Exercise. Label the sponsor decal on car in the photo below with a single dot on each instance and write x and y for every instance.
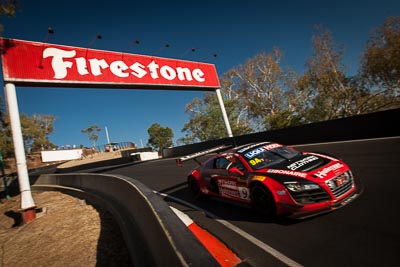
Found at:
(287, 172)
(254, 153)
(255, 161)
(324, 172)
(295, 165)
(230, 189)
(227, 184)
(229, 192)
(258, 178)
(271, 146)
(244, 192)
(281, 192)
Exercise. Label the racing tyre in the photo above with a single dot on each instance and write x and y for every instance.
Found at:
(194, 187)
(262, 201)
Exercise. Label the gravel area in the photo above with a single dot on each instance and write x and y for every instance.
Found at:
(67, 231)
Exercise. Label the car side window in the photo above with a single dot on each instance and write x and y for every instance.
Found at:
(239, 165)
(221, 163)
(210, 164)
(235, 162)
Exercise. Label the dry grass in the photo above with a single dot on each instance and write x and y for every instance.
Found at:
(67, 232)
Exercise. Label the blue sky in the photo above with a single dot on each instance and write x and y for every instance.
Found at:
(234, 30)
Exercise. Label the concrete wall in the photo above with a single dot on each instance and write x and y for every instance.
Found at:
(373, 125)
(61, 155)
(154, 235)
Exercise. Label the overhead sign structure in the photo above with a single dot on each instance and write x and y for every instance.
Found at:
(41, 64)
(33, 64)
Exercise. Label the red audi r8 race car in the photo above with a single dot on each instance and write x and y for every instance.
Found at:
(274, 179)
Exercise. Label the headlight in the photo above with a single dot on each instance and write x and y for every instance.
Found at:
(298, 187)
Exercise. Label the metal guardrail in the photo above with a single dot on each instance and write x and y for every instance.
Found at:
(154, 235)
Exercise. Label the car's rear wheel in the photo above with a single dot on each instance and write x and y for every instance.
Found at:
(194, 187)
(262, 200)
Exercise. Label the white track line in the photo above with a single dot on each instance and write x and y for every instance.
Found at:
(240, 232)
(349, 141)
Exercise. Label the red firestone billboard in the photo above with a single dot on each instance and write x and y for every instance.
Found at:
(48, 65)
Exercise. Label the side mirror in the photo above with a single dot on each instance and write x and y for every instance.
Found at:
(236, 170)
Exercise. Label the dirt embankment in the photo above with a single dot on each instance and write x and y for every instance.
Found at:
(32, 161)
(66, 232)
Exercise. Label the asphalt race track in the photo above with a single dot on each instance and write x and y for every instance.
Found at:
(364, 233)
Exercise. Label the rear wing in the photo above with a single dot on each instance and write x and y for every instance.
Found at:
(194, 156)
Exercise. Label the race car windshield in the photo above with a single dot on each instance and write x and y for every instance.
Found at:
(285, 152)
(264, 157)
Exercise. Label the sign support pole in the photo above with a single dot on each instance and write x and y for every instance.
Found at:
(222, 106)
(27, 203)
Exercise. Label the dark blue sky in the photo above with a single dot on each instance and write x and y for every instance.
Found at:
(234, 30)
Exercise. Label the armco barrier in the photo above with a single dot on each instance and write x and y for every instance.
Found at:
(372, 125)
(154, 235)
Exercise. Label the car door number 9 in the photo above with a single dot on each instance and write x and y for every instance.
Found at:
(244, 192)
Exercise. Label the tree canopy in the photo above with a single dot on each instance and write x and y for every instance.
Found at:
(8, 8)
(36, 130)
(381, 58)
(160, 137)
(92, 132)
(262, 95)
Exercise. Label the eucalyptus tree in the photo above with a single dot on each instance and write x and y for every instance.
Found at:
(267, 92)
(36, 130)
(92, 133)
(8, 9)
(258, 95)
(380, 64)
(160, 137)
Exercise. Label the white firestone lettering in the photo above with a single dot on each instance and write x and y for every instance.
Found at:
(153, 69)
(168, 73)
(138, 70)
(184, 74)
(118, 68)
(57, 63)
(96, 66)
(81, 66)
(198, 75)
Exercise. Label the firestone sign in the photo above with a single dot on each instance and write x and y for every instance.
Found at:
(42, 64)
(28, 63)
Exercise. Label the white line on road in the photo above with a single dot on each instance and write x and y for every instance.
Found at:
(349, 141)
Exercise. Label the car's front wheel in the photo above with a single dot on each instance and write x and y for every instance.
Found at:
(262, 200)
(194, 187)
